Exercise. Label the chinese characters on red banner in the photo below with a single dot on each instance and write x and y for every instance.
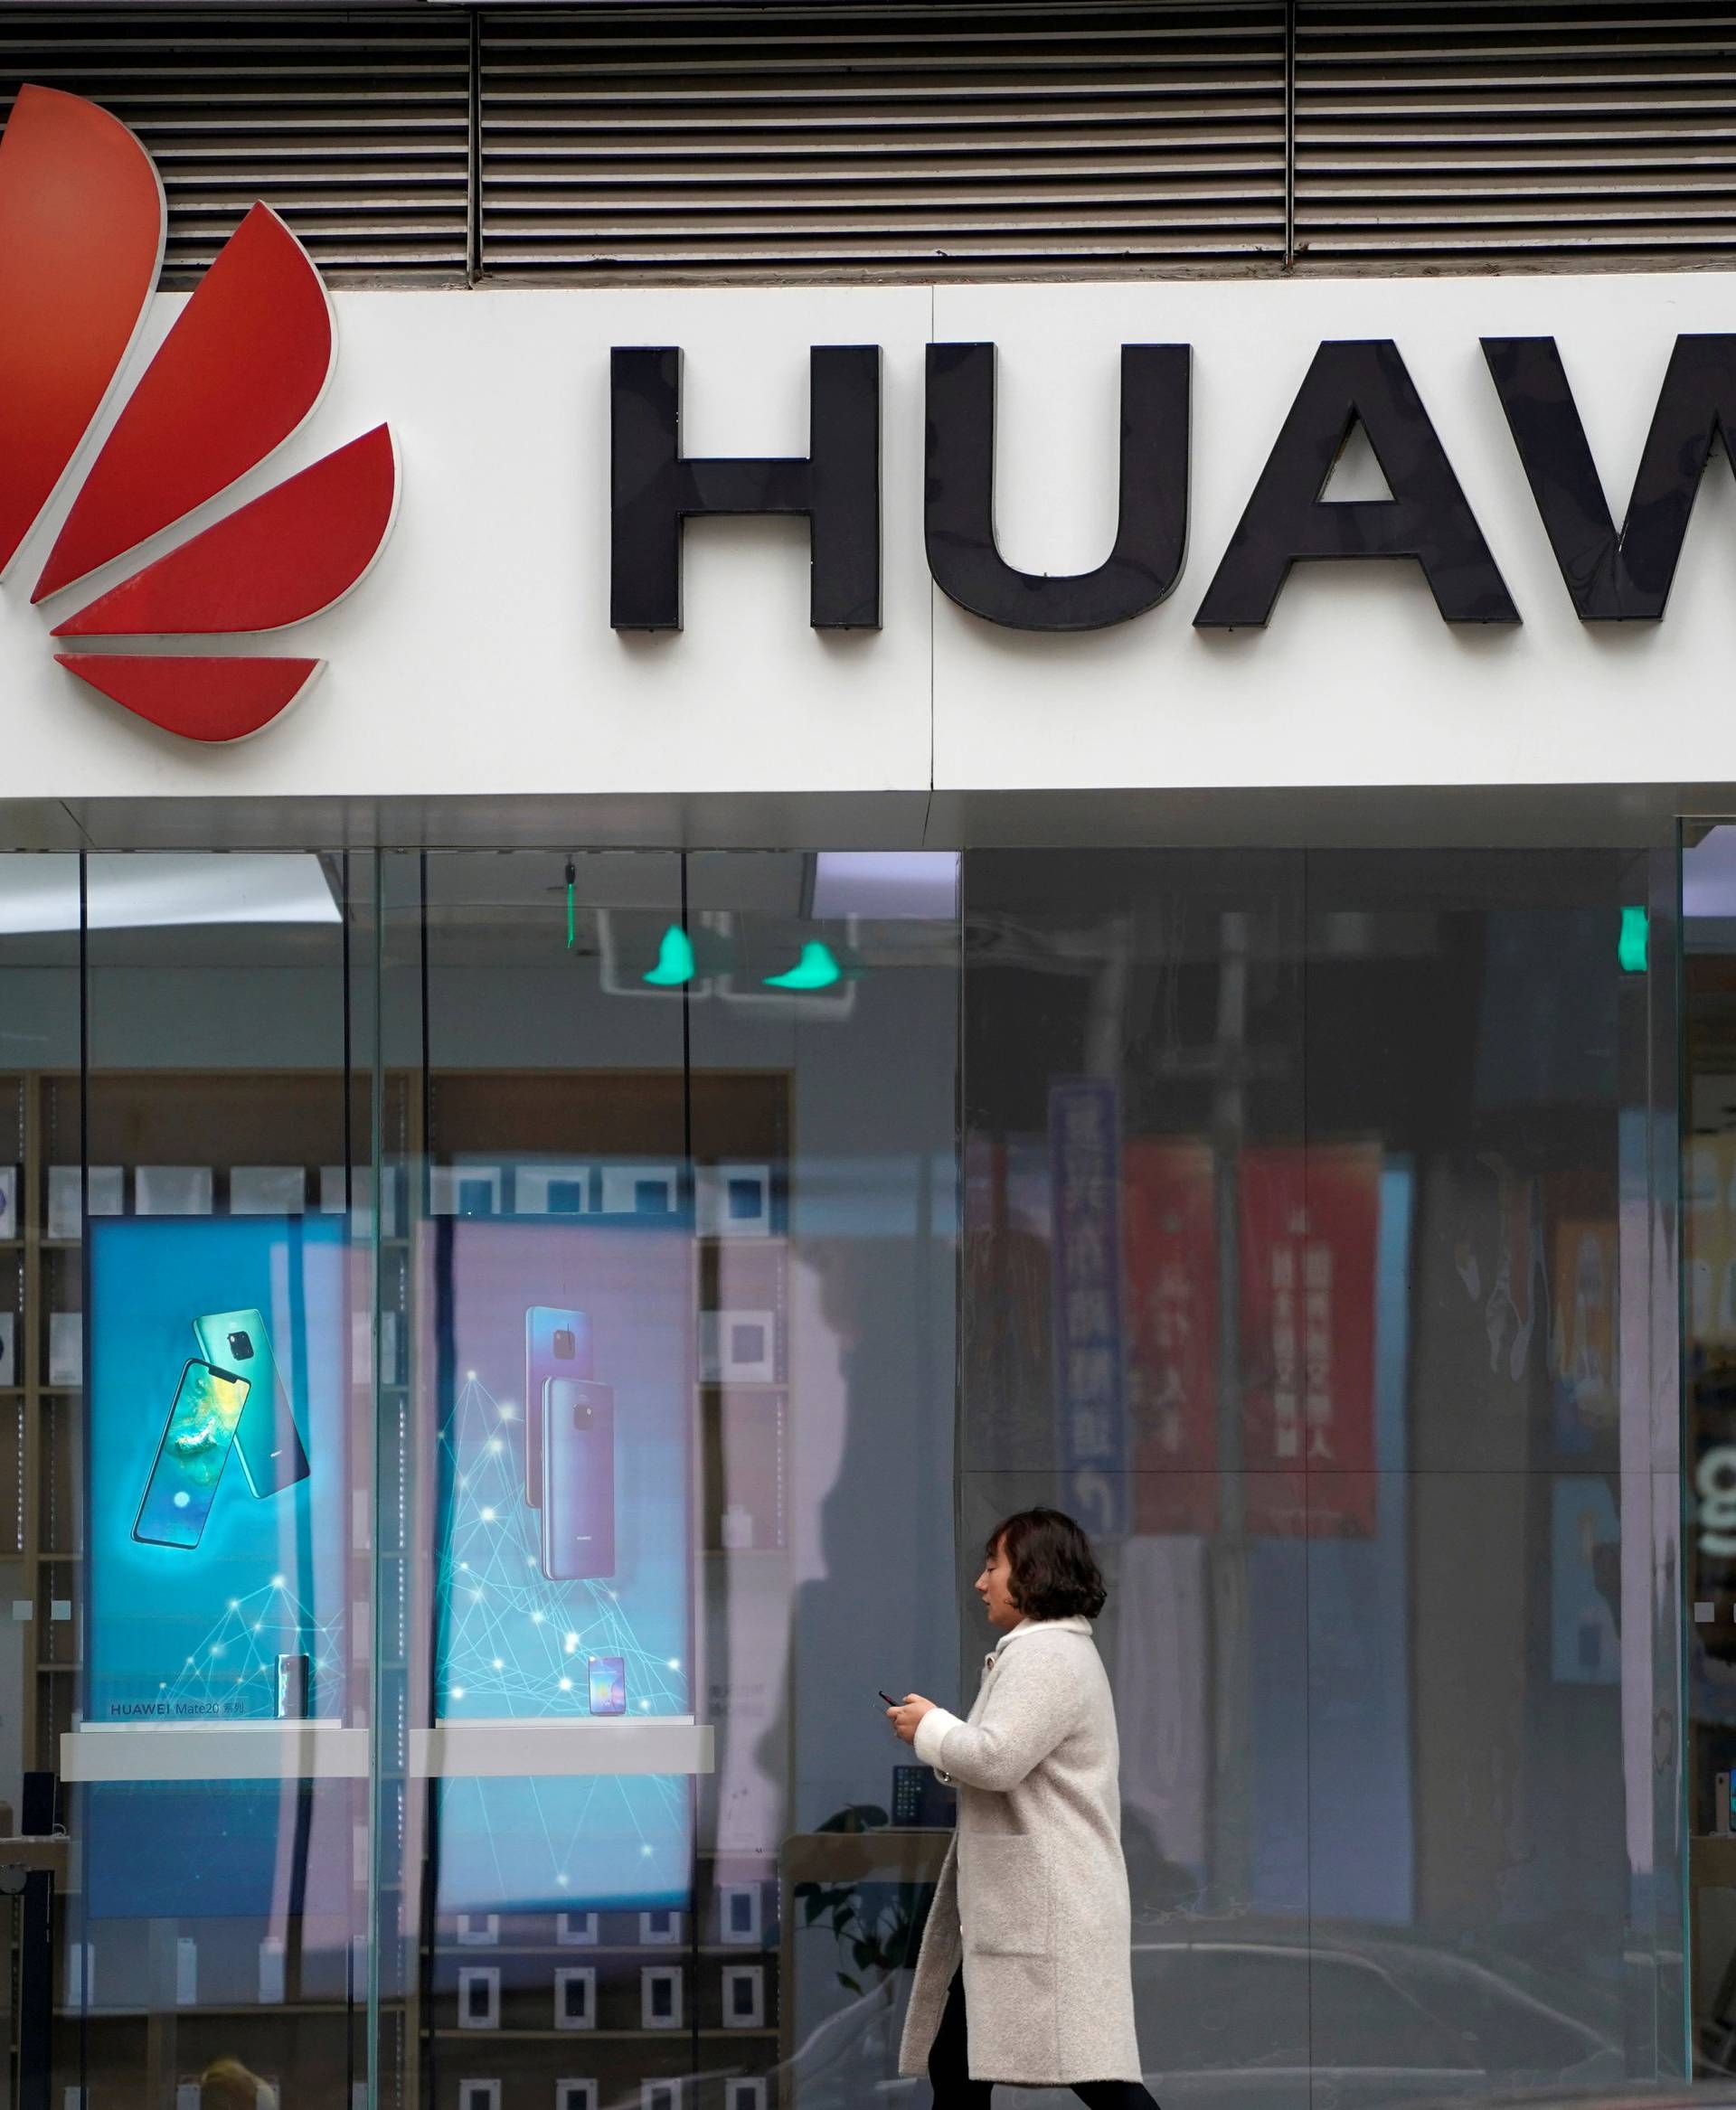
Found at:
(1136, 1323)
(1172, 1294)
(1309, 1226)
(1085, 1165)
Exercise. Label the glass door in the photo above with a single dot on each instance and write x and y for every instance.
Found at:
(194, 1418)
(666, 1392)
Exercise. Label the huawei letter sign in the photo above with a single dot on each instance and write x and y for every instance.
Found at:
(81, 229)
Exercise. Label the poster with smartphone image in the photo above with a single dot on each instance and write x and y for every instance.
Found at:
(218, 1471)
(219, 1476)
(564, 1364)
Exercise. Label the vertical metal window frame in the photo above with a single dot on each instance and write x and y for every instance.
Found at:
(373, 981)
(1651, 1053)
(1675, 1917)
(394, 1906)
(362, 1056)
(1290, 133)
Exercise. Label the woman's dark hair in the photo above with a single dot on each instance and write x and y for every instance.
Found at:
(1054, 1572)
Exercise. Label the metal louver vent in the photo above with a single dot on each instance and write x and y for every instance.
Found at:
(356, 128)
(834, 139)
(901, 141)
(1478, 134)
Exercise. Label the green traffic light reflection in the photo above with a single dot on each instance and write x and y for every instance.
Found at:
(675, 960)
(816, 969)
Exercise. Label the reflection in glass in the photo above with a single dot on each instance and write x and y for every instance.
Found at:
(1317, 1245)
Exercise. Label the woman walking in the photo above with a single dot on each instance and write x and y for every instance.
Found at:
(1025, 1975)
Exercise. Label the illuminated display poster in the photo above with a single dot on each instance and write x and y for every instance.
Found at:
(564, 1362)
(219, 1479)
(218, 1469)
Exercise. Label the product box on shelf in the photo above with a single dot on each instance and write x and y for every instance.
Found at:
(104, 1195)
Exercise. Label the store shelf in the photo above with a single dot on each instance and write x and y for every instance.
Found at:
(481, 2036)
(288, 2009)
(546, 1748)
(578, 1952)
(555, 1747)
(214, 1750)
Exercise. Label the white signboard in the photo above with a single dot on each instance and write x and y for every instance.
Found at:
(477, 656)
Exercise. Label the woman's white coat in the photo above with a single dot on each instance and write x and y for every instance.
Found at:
(1033, 1891)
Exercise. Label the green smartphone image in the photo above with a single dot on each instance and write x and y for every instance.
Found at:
(267, 1439)
(191, 1454)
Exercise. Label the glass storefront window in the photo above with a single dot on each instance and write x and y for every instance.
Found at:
(1318, 1247)
(595, 1304)
(200, 1349)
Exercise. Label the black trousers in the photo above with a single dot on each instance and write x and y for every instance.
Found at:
(949, 2069)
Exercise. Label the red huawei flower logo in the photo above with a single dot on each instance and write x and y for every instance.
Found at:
(81, 226)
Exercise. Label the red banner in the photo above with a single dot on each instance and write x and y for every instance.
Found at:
(1310, 1222)
(1170, 1247)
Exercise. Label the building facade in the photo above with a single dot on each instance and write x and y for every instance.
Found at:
(783, 777)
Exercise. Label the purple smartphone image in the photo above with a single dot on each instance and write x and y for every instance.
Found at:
(557, 1344)
(607, 1679)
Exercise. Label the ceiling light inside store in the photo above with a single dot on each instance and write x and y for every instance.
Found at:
(885, 884)
(148, 891)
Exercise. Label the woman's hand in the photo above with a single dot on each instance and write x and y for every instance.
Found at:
(907, 1714)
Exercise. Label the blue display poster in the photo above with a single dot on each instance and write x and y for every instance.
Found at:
(218, 1488)
(218, 1468)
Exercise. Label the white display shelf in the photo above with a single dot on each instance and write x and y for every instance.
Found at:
(550, 1747)
(214, 1750)
(543, 1748)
